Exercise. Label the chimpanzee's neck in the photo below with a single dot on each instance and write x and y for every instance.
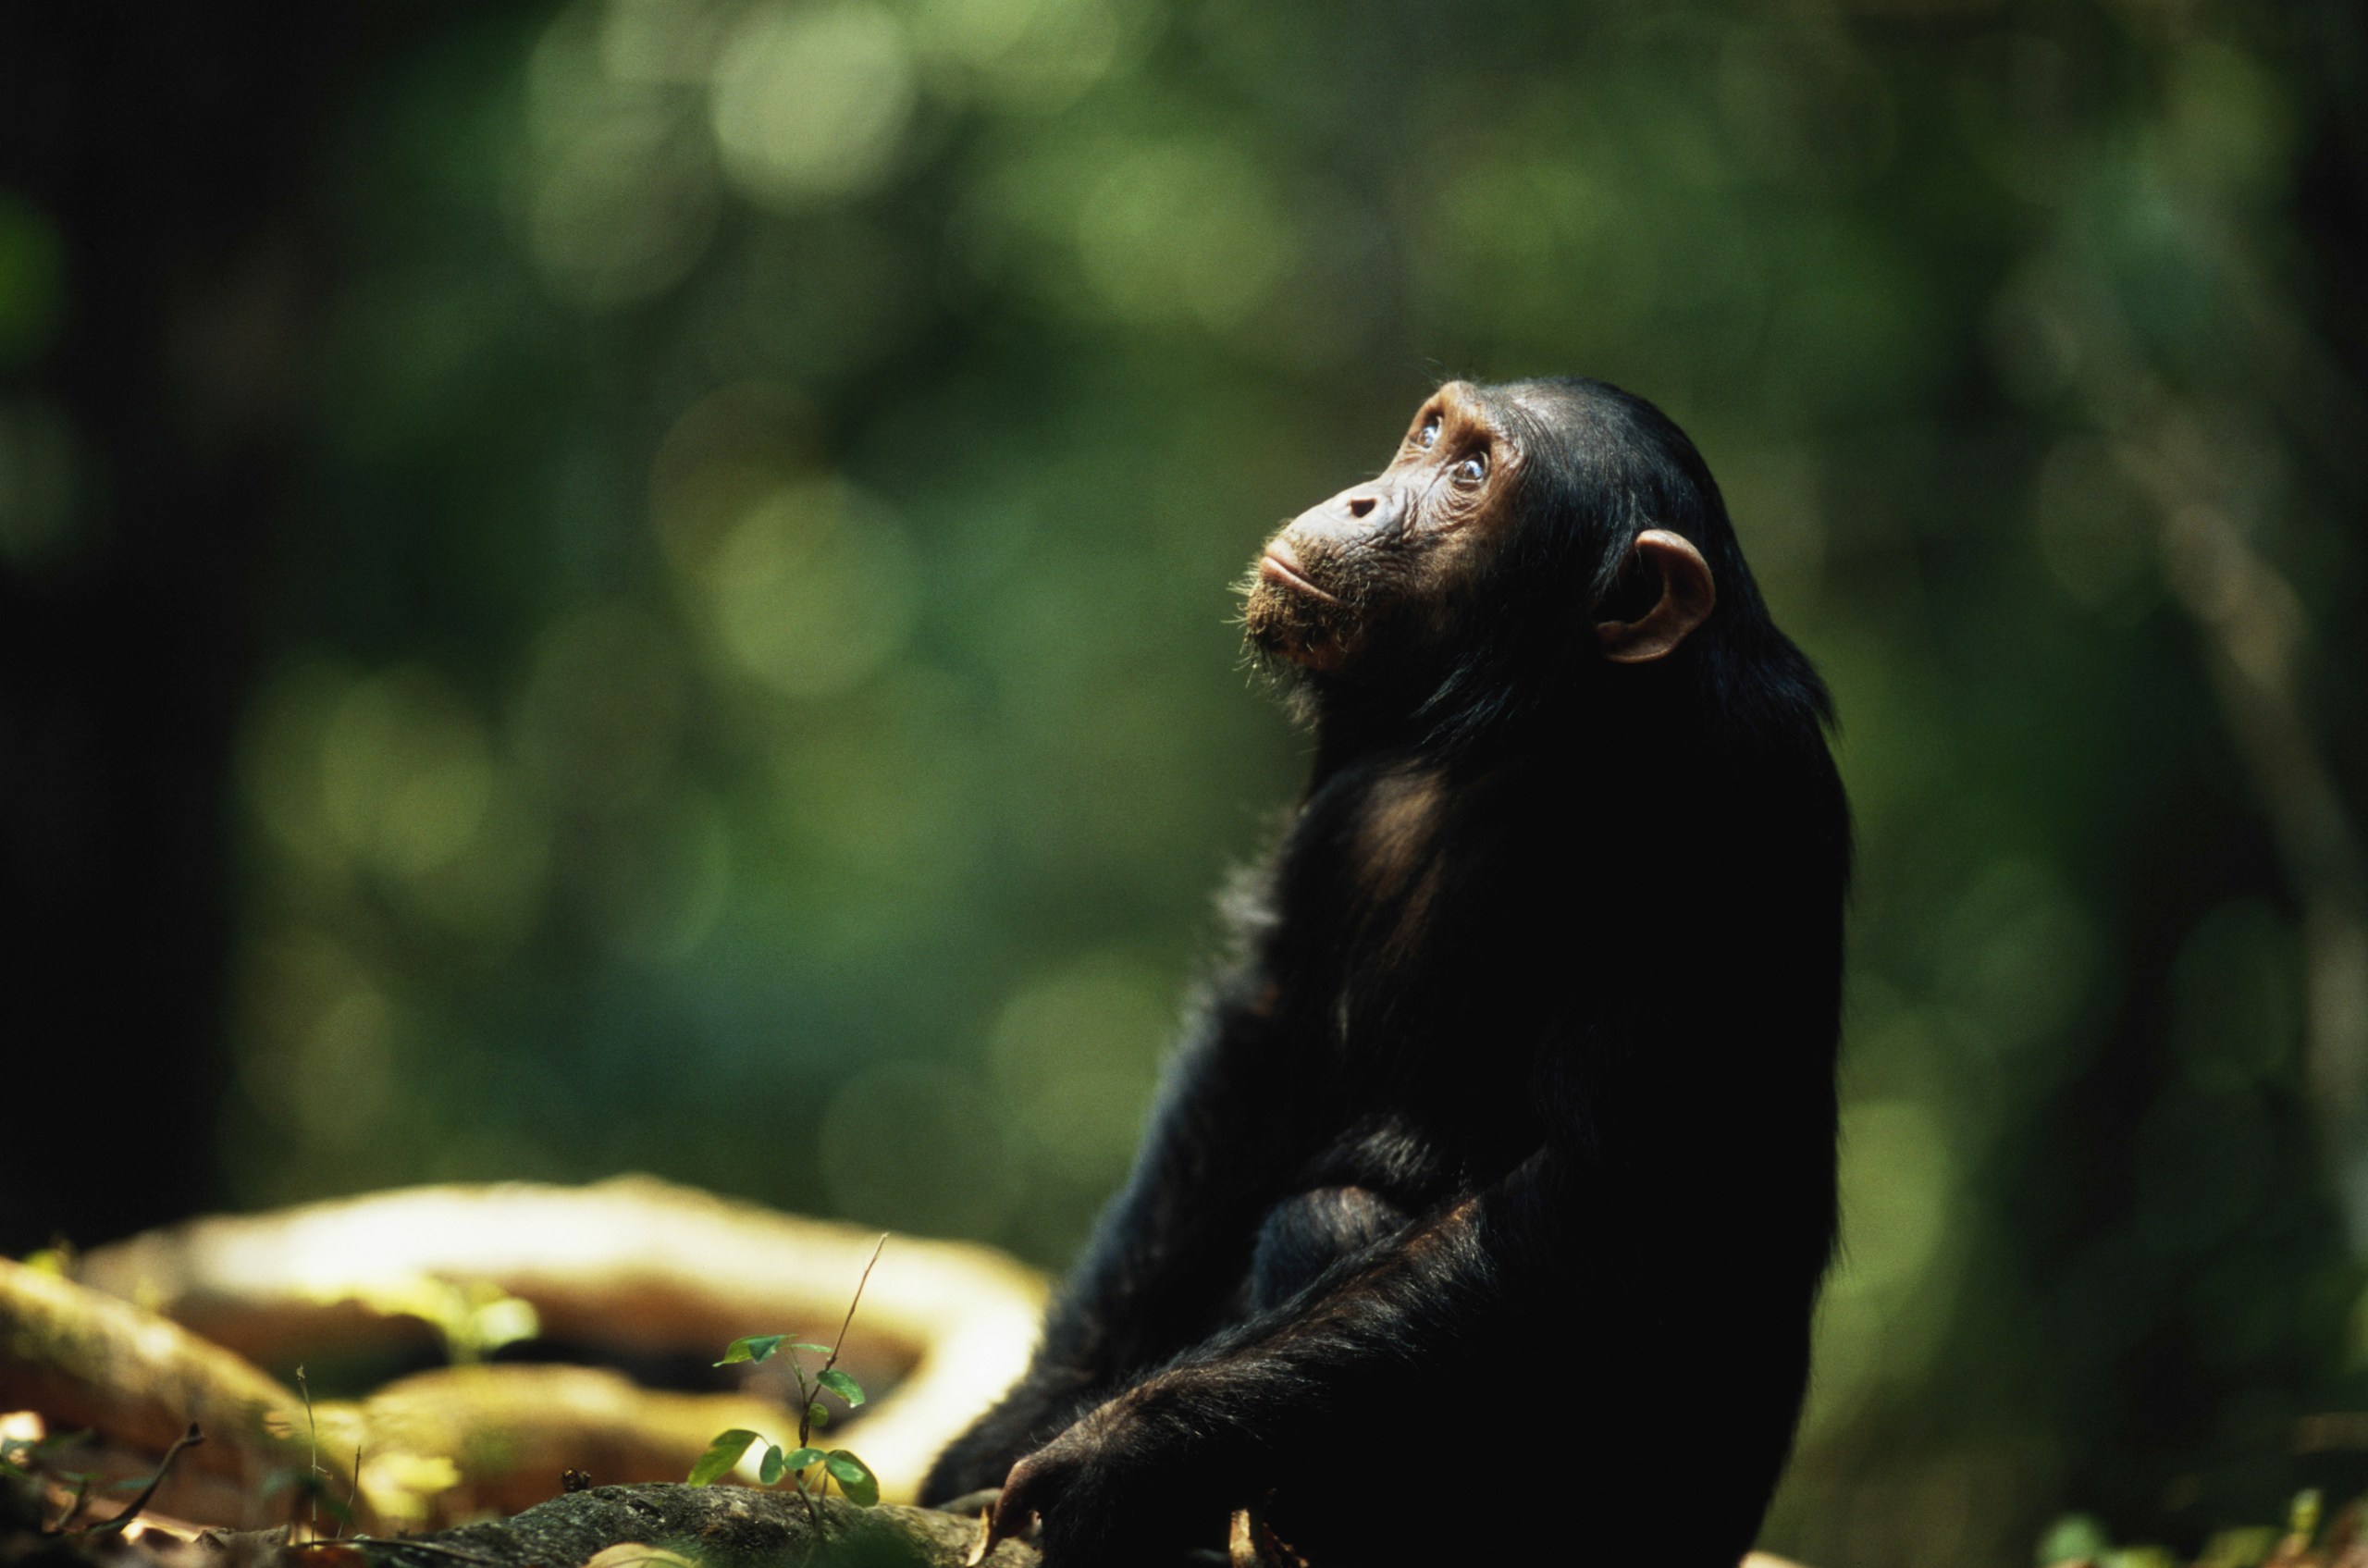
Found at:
(1356, 727)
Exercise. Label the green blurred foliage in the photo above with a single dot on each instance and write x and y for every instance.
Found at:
(754, 699)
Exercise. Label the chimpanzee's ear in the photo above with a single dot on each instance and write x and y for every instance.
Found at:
(1687, 596)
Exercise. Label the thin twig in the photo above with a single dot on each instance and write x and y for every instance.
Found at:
(804, 1426)
(806, 1398)
(190, 1439)
(313, 1459)
(848, 1322)
(73, 1509)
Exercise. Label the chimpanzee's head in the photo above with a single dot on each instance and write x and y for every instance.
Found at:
(1546, 507)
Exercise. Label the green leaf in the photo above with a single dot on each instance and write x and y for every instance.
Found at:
(854, 1476)
(818, 1350)
(721, 1456)
(755, 1347)
(802, 1459)
(768, 1469)
(842, 1385)
(817, 1415)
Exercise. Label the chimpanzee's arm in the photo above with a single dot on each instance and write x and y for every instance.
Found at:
(1173, 1248)
(1325, 1372)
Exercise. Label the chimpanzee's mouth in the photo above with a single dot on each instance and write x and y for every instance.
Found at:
(1281, 565)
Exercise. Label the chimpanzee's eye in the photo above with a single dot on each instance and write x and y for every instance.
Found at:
(1429, 433)
(1472, 470)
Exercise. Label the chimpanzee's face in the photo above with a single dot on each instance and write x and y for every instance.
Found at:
(1391, 556)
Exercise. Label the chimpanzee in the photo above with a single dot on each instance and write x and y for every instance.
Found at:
(1489, 1198)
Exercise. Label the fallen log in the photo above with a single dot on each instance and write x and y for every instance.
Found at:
(87, 1361)
(631, 1263)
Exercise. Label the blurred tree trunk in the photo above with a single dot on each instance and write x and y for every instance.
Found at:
(170, 149)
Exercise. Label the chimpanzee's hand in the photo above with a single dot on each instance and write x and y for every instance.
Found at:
(1110, 1492)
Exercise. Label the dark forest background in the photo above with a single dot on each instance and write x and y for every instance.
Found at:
(648, 585)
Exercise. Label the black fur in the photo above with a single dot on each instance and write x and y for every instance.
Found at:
(1496, 1196)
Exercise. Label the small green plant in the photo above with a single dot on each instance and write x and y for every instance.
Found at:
(34, 1459)
(856, 1480)
(312, 1483)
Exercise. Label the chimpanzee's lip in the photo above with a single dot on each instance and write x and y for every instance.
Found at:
(1281, 565)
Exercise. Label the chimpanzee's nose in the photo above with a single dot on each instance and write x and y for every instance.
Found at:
(1361, 512)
